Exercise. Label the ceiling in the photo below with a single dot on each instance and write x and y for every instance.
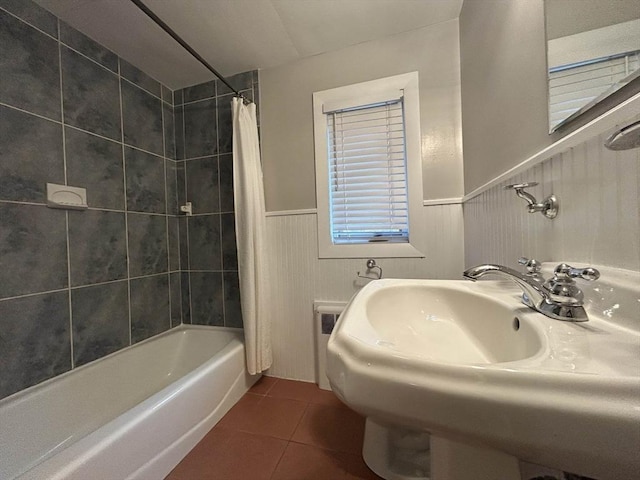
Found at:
(239, 35)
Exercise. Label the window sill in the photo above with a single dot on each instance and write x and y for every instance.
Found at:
(370, 250)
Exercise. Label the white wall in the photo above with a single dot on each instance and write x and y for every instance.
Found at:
(299, 278)
(504, 87)
(598, 189)
(287, 117)
(599, 218)
(504, 107)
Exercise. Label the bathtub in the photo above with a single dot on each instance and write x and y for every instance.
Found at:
(131, 415)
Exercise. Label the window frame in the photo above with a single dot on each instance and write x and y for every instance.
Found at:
(361, 94)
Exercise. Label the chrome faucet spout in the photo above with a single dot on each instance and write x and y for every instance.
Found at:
(557, 298)
(533, 293)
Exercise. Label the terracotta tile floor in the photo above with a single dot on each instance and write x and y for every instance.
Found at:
(281, 430)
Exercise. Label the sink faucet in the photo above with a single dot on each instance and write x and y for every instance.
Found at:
(558, 298)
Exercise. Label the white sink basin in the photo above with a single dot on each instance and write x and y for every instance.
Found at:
(449, 324)
(467, 361)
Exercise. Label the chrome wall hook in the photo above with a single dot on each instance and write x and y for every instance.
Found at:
(548, 207)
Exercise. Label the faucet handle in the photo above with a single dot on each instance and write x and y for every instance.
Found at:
(563, 284)
(532, 265)
(566, 272)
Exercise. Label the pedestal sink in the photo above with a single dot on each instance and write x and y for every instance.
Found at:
(469, 363)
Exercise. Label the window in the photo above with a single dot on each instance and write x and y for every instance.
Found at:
(368, 169)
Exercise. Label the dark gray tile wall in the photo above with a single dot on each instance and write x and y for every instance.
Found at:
(36, 343)
(78, 285)
(26, 137)
(32, 64)
(203, 142)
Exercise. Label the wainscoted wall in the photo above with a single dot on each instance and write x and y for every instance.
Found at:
(299, 278)
(78, 285)
(210, 287)
(599, 218)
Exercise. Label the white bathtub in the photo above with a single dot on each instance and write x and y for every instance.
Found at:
(132, 415)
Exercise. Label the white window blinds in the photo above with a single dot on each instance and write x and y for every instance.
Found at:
(368, 174)
(573, 86)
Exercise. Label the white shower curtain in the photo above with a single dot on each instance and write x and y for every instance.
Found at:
(248, 193)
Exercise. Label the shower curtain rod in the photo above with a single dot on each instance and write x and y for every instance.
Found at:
(186, 46)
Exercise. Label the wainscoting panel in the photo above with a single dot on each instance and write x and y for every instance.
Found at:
(299, 278)
(598, 221)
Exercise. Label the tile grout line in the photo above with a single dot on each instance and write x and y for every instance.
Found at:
(18, 202)
(88, 285)
(99, 209)
(27, 295)
(186, 221)
(177, 200)
(131, 82)
(216, 95)
(289, 440)
(234, 430)
(275, 468)
(13, 107)
(67, 125)
(185, 224)
(172, 134)
(217, 160)
(166, 210)
(201, 157)
(126, 201)
(74, 49)
(31, 25)
(66, 182)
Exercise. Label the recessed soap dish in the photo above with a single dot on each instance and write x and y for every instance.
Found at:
(64, 196)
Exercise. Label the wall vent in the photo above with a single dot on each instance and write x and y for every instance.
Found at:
(325, 316)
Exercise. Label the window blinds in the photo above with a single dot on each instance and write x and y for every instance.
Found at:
(367, 174)
(573, 86)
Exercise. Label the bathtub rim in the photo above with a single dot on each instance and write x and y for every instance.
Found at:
(34, 389)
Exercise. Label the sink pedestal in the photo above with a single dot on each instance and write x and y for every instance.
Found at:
(396, 453)
(456, 461)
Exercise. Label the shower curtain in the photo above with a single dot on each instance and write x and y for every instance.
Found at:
(248, 194)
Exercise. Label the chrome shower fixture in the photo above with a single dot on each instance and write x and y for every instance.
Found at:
(548, 207)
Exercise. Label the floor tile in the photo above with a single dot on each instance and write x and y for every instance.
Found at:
(197, 463)
(332, 428)
(302, 391)
(231, 455)
(281, 430)
(275, 417)
(262, 386)
(356, 469)
(326, 397)
(302, 462)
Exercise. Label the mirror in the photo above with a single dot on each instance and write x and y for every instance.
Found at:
(593, 50)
